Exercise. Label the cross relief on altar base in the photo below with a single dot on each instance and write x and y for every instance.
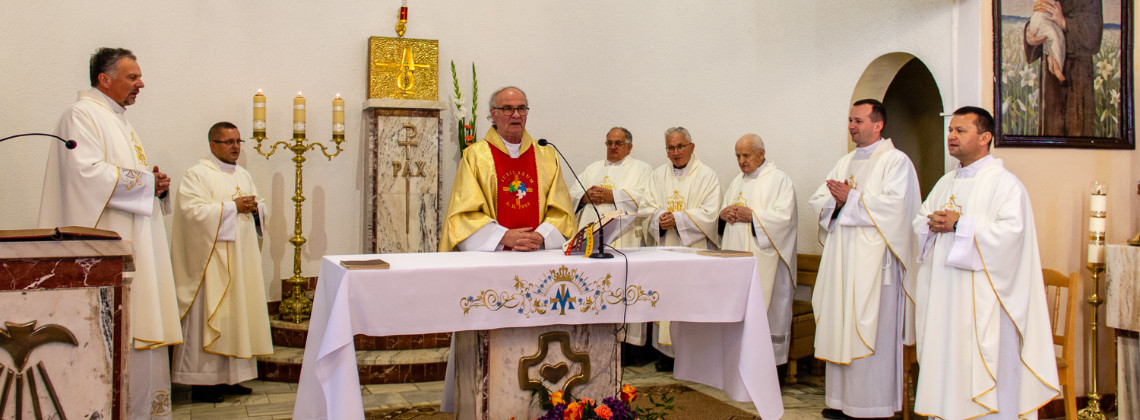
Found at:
(401, 197)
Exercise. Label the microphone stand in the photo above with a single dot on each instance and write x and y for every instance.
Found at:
(70, 144)
(601, 236)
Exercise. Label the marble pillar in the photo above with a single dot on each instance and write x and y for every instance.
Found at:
(63, 318)
(497, 371)
(401, 197)
(1122, 312)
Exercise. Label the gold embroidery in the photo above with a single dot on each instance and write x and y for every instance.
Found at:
(952, 205)
(238, 193)
(560, 290)
(139, 154)
(676, 202)
(132, 179)
(607, 183)
(160, 404)
(851, 181)
(740, 200)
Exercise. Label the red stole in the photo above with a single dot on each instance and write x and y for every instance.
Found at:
(517, 191)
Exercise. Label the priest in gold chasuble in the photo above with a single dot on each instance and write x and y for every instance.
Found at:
(508, 193)
(759, 216)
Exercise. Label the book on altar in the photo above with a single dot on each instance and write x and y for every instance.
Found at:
(372, 264)
(614, 224)
(62, 233)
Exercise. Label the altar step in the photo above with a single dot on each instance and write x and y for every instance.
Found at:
(380, 360)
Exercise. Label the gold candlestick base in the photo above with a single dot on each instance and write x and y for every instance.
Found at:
(1092, 411)
(1135, 241)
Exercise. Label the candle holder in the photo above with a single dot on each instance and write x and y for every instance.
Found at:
(297, 306)
(1098, 205)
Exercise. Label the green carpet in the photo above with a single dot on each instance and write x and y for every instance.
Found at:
(688, 405)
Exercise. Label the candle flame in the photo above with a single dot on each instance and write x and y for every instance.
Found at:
(259, 91)
(338, 95)
(298, 93)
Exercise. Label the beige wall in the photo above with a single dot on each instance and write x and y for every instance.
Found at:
(1058, 183)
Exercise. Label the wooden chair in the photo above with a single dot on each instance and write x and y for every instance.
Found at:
(1061, 292)
(802, 339)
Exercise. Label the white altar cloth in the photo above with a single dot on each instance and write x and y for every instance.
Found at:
(723, 340)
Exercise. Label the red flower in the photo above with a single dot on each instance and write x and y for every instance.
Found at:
(573, 411)
(628, 394)
(604, 412)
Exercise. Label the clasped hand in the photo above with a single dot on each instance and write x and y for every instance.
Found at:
(736, 214)
(839, 190)
(942, 221)
(246, 204)
(161, 182)
(523, 239)
(600, 195)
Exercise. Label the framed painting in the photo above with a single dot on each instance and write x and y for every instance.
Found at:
(1063, 73)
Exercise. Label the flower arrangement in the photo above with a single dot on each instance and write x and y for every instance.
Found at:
(611, 408)
(465, 128)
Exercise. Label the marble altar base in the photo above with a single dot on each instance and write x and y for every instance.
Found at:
(1122, 312)
(488, 368)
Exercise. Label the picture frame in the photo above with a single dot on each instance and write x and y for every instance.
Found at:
(1063, 85)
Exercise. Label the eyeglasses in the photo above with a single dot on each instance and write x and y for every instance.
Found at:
(510, 110)
(228, 143)
(615, 143)
(672, 149)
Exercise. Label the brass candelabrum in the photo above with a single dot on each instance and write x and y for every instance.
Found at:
(1092, 411)
(297, 306)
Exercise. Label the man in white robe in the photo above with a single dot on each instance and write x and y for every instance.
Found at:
(865, 208)
(617, 182)
(982, 326)
(217, 270)
(759, 215)
(107, 183)
(681, 207)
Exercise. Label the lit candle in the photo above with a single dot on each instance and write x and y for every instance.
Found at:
(259, 114)
(299, 115)
(1098, 206)
(338, 116)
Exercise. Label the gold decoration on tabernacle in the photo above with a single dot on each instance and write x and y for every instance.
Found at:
(675, 202)
(556, 372)
(560, 290)
(403, 68)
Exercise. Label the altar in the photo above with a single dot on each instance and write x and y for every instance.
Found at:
(722, 338)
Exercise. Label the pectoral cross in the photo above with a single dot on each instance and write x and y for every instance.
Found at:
(406, 80)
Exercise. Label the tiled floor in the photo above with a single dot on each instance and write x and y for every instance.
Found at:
(274, 400)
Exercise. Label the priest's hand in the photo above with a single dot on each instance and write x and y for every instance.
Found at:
(246, 204)
(839, 191)
(522, 239)
(942, 221)
(600, 195)
(736, 214)
(161, 182)
(667, 221)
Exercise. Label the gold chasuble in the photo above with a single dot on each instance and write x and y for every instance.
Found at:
(478, 190)
(227, 271)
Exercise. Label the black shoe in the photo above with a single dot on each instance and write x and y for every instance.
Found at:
(664, 365)
(206, 394)
(235, 389)
(831, 413)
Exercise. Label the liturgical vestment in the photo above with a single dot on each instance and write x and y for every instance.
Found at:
(771, 237)
(106, 183)
(867, 248)
(692, 194)
(983, 333)
(217, 269)
(474, 201)
(627, 179)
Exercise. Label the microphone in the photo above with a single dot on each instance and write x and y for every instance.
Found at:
(601, 242)
(70, 144)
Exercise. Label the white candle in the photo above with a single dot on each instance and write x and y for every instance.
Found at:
(299, 114)
(1098, 202)
(259, 114)
(338, 115)
(1096, 225)
(1096, 254)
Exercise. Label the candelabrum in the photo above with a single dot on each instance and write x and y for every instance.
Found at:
(1098, 206)
(297, 306)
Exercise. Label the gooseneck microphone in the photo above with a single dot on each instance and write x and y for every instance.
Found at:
(70, 144)
(601, 242)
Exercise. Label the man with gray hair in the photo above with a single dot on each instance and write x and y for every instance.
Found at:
(758, 215)
(682, 207)
(616, 183)
(107, 183)
(508, 194)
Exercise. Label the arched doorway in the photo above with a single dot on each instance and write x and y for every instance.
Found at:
(908, 90)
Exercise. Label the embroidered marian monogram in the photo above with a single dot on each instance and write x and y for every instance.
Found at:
(238, 193)
(560, 290)
(851, 181)
(676, 202)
